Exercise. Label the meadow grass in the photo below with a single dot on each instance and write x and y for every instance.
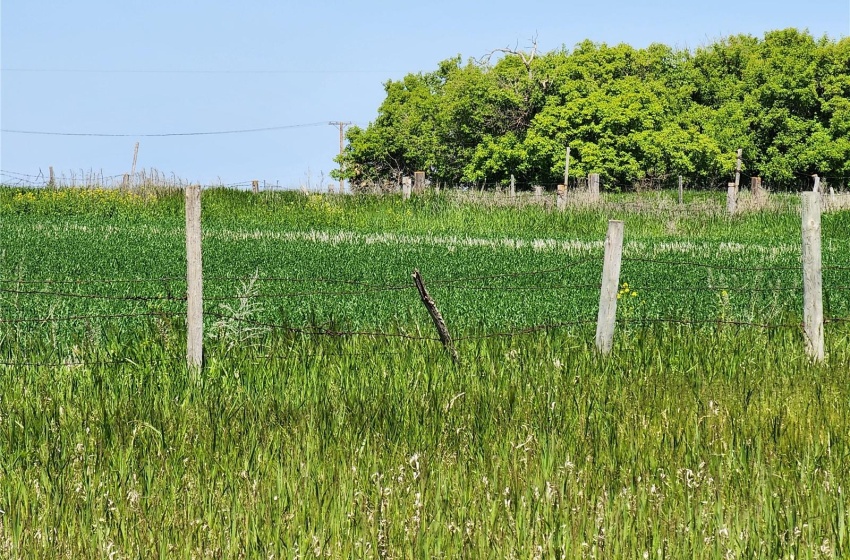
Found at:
(730, 444)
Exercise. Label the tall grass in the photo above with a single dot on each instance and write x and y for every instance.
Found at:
(730, 445)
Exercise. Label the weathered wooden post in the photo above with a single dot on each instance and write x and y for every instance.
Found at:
(255, 186)
(562, 197)
(513, 186)
(607, 317)
(812, 276)
(405, 188)
(418, 182)
(435, 314)
(593, 186)
(816, 187)
(194, 279)
(52, 183)
(755, 186)
(738, 170)
(731, 198)
(538, 193)
(681, 191)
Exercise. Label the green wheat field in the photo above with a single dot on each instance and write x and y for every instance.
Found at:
(328, 421)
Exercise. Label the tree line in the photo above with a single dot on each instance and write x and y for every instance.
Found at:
(631, 115)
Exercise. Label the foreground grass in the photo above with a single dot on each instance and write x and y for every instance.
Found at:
(711, 444)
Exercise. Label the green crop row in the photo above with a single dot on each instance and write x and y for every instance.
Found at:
(311, 271)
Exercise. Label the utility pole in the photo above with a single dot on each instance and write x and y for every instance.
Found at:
(341, 126)
(135, 158)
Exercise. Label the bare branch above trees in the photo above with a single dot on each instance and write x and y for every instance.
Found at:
(527, 57)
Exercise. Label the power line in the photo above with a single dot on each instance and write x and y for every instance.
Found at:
(241, 131)
(189, 71)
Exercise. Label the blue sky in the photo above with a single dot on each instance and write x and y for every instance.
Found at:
(189, 66)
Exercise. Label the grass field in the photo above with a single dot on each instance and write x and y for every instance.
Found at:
(699, 440)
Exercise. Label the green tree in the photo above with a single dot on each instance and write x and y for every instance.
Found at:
(629, 114)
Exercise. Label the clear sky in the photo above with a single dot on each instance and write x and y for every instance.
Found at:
(178, 66)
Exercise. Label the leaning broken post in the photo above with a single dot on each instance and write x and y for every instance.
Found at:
(610, 286)
(445, 337)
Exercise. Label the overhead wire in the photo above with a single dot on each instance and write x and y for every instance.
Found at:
(164, 134)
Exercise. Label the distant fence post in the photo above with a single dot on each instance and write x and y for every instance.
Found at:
(561, 197)
(755, 186)
(418, 181)
(816, 187)
(738, 170)
(52, 183)
(731, 198)
(194, 278)
(513, 186)
(681, 191)
(812, 276)
(405, 188)
(593, 186)
(538, 193)
(610, 286)
(255, 186)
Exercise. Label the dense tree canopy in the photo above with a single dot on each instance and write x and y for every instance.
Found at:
(631, 115)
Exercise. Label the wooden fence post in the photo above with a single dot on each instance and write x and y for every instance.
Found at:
(610, 286)
(812, 276)
(418, 181)
(738, 170)
(52, 183)
(538, 193)
(255, 186)
(593, 186)
(755, 186)
(731, 198)
(442, 330)
(513, 186)
(681, 191)
(405, 188)
(561, 197)
(194, 279)
(816, 187)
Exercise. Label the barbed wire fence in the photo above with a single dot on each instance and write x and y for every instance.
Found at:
(173, 304)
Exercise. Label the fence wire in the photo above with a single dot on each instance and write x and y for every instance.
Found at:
(488, 283)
